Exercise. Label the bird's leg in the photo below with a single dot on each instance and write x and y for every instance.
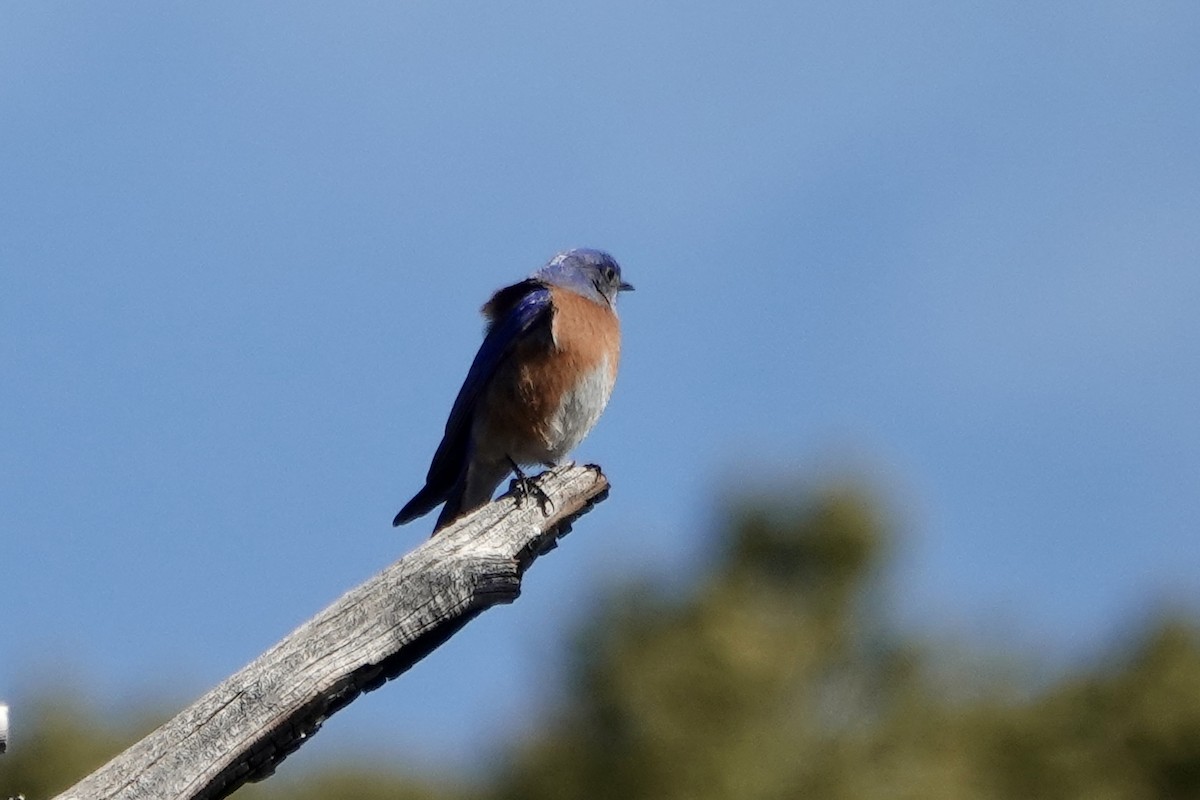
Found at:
(524, 486)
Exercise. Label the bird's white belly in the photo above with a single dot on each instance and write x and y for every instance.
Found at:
(578, 411)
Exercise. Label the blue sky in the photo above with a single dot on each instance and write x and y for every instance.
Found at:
(952, 248)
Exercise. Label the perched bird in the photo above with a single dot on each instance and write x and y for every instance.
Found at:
(538, 384)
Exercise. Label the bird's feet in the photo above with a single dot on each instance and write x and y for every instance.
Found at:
(523, 487)
(572, 465)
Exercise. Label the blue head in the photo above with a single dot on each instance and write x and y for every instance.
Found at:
(592, 273)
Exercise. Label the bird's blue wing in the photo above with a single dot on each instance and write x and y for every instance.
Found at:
(515, 312)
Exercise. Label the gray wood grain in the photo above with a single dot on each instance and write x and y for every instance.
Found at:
(243, 728)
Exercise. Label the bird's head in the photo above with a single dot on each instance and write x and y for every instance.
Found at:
(592, 273)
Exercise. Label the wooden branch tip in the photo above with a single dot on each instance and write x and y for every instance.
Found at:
(3, 728)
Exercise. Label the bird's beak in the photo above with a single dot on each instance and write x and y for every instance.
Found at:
(625, 287)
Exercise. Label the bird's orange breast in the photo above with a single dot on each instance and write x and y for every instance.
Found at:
(552, 391)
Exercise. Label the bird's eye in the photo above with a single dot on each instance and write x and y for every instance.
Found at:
(609, 274)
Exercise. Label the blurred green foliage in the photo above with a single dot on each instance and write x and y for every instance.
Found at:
(778, 676)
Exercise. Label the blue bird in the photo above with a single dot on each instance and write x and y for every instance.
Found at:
(537, 386)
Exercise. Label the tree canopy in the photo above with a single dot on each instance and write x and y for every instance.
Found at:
(777, 674)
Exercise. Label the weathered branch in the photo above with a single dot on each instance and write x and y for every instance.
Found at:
(244, 727)
(3, 728)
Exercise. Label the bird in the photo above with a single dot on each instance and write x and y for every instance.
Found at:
(536, 388)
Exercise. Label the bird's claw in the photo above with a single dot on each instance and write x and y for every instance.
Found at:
(523, 487)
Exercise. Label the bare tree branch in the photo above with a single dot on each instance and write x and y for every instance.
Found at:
(243, 728)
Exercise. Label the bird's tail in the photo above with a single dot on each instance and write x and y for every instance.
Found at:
(474, 488)
(452, 510)
(420, 505)
(427, 499)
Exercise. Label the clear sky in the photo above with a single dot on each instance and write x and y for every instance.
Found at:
(951, 247)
